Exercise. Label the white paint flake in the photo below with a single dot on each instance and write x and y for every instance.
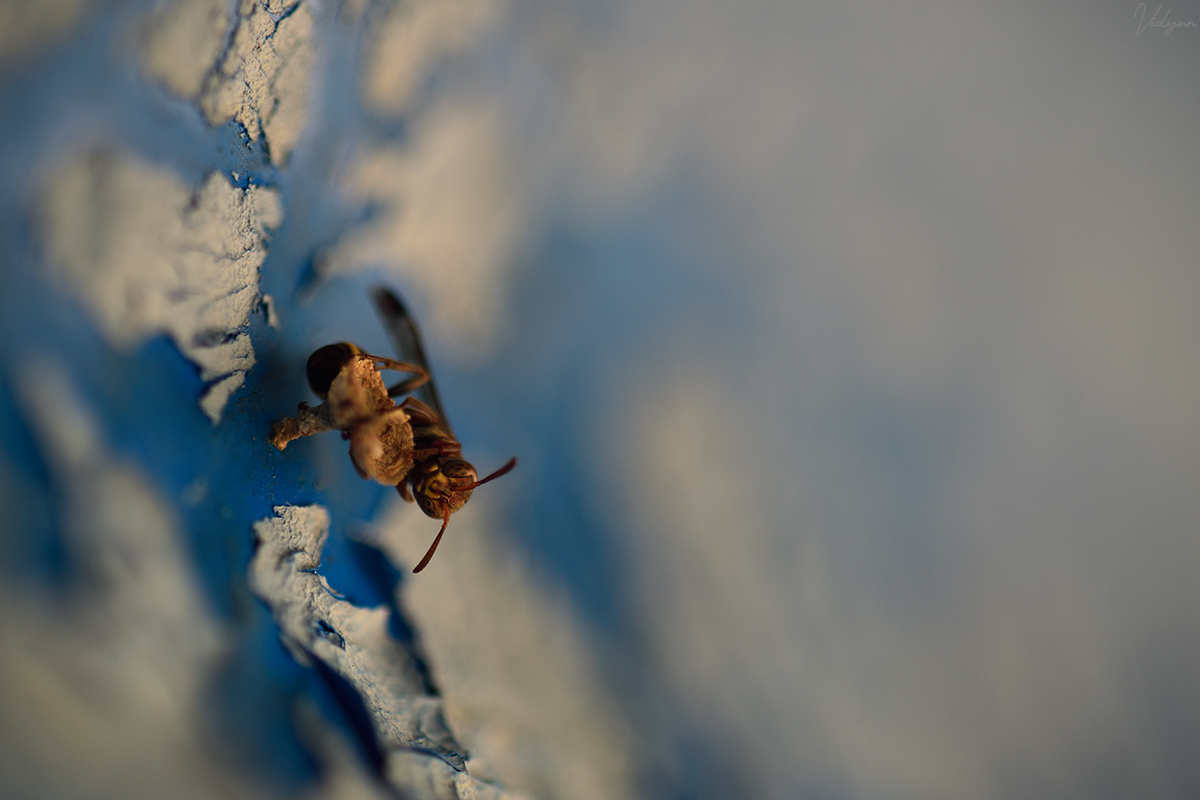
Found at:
(423, 760)
(263, 80)
(145, 255)
(260, 78)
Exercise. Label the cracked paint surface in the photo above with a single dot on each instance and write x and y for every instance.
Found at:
(161, 268)
(254, 68)
(262, 80)
(850, 355)
(146, 255)
(316, 623)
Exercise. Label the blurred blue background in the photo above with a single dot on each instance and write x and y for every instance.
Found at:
(850, 353)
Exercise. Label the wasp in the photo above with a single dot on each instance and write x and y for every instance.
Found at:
(410, 444)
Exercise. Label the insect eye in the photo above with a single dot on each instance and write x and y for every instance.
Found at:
(325, 364)
(431, 505)
(458, 468)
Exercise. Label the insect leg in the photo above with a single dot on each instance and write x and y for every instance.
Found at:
(409, 386)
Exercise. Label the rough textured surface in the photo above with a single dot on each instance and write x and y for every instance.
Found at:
(258, 73)
(422, 757)
(262, 82)
(147, 255)
(157, 169)
(118, 671)
(850, 352)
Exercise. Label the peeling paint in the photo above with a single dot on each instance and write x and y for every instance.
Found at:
(145, 254)
(316, 624)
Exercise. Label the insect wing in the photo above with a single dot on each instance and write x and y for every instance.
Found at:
(406, 338)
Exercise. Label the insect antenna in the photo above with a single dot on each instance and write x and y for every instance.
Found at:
(436, 541)
(507, 468)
